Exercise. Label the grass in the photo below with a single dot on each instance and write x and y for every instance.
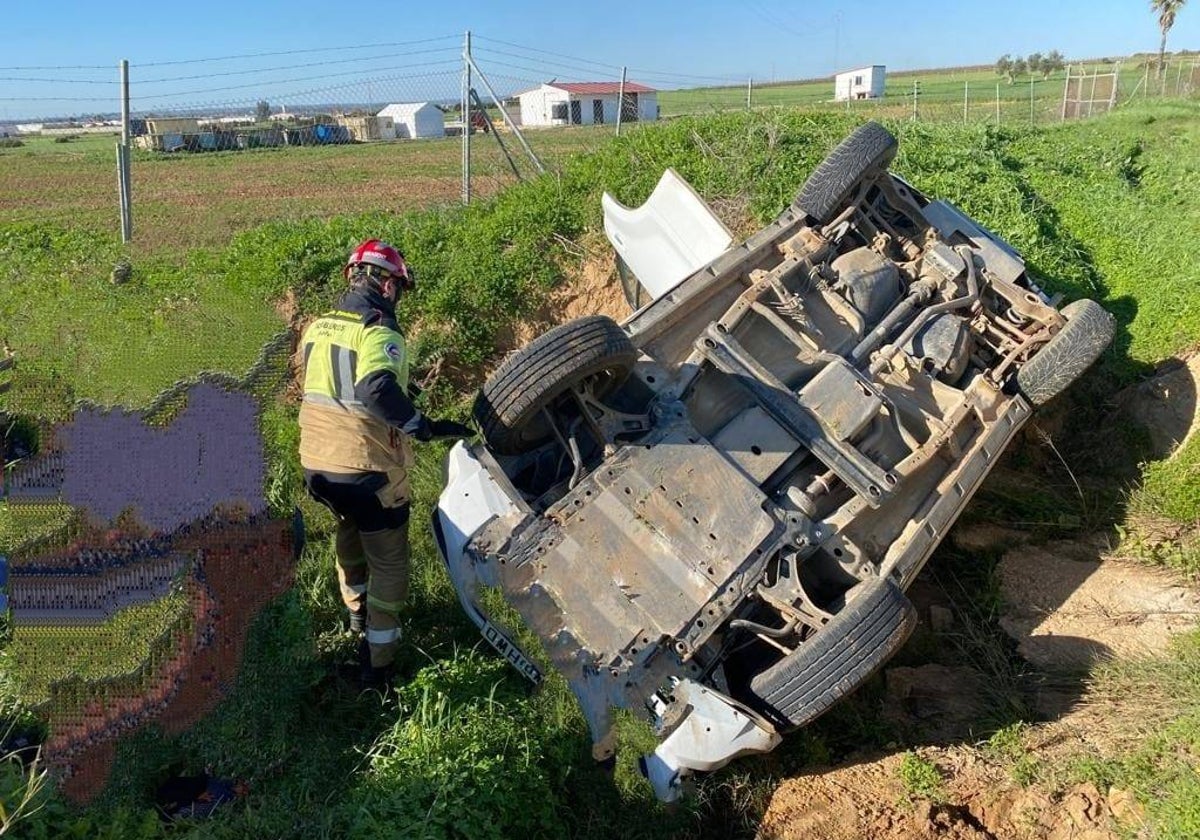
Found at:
(467, 751)
(920, 777)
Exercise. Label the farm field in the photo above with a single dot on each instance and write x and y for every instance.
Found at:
(466, 749)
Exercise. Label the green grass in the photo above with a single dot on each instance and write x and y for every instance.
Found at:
(1085, 209)
(920, 777)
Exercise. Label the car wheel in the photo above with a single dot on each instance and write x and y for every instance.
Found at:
(509, 405)
(873, 625)
(1089, 329)
(866, 152)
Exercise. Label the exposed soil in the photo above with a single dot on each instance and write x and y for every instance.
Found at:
(592, 288)
(1067, 606)
(865, 800)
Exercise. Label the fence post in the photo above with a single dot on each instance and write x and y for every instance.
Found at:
(124, 193)
(1092, 94)
(966, 88)
(621, 101)
(1066, 88)
(1112, 94)
(1146, 82)
(1032, 120)
(997, 103)
(914, 99)
(465, 112)
(1178, 77)
(749, 91)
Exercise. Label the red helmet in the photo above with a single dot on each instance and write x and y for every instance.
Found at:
(380, 254)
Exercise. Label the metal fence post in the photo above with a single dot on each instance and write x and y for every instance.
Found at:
(1031, 117)
(1066, 88)
(465, 111)
(1178, 77)
(124, 193)
(966, 88)
(914, 99)
(749, 91)
(621, 101)
(997, 103)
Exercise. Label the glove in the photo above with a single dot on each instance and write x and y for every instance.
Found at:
(444, 429)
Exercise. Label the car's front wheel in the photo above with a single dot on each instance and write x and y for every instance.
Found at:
(509, 406)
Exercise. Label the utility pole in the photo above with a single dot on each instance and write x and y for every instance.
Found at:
(465, 112)
(621, 101)
(124, 192)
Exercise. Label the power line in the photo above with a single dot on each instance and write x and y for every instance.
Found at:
(60, 81)
(297, 95)
(262, 84)
(607, 66)
(295, 52)
(287, 67)
(63, 67)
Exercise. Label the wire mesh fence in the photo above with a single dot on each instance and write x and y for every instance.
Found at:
(211, 146)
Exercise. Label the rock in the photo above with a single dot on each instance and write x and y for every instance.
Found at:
(121, 273)
(941, 619)
(943, 702)
(1066, 613)
(1165, 404)
(1125, 806)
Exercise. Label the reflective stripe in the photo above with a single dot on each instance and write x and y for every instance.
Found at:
(382, 637)
(351, 406)
(344, 362)
(386, 606)
(357, 588)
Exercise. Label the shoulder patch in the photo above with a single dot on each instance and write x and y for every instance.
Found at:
(392, 350)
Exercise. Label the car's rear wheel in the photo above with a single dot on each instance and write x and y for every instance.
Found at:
(509, 405)
(864, 634)
(1089, 329)
(865, 153)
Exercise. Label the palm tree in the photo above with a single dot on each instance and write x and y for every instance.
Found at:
(1167, 9)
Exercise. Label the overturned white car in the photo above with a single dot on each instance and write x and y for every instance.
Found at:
(710, 512)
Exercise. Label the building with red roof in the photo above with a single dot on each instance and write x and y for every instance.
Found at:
(587, 103)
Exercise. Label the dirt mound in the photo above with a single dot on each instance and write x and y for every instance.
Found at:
(867, 801)
(1066, 605)
(1166, 404)
(592, 287)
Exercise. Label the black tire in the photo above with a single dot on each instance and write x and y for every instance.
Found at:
(865, 153)
(866, 633)
(1088, 331)
(509, 403)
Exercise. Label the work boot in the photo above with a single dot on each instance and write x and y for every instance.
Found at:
(370, 676)
(358, 620)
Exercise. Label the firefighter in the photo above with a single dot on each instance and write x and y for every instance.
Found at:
(356, 426)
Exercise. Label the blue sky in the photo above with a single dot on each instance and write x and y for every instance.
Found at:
(663, 41)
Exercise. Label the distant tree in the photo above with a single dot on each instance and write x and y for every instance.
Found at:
(1034, 63)
(1004, 66)
(1019, 67)
(262, 111)
(1167, 9)
(1053, 62)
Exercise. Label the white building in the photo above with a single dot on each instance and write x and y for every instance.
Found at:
(8, 130)
(863, 83)
(586, 103)
(415, 120)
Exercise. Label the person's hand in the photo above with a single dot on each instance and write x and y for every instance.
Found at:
(449, 429)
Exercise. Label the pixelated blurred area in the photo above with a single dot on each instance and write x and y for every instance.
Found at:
(140, 546)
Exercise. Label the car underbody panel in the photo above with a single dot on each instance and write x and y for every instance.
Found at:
(715, 505)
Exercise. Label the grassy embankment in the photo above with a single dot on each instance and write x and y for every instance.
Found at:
(467, 751)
